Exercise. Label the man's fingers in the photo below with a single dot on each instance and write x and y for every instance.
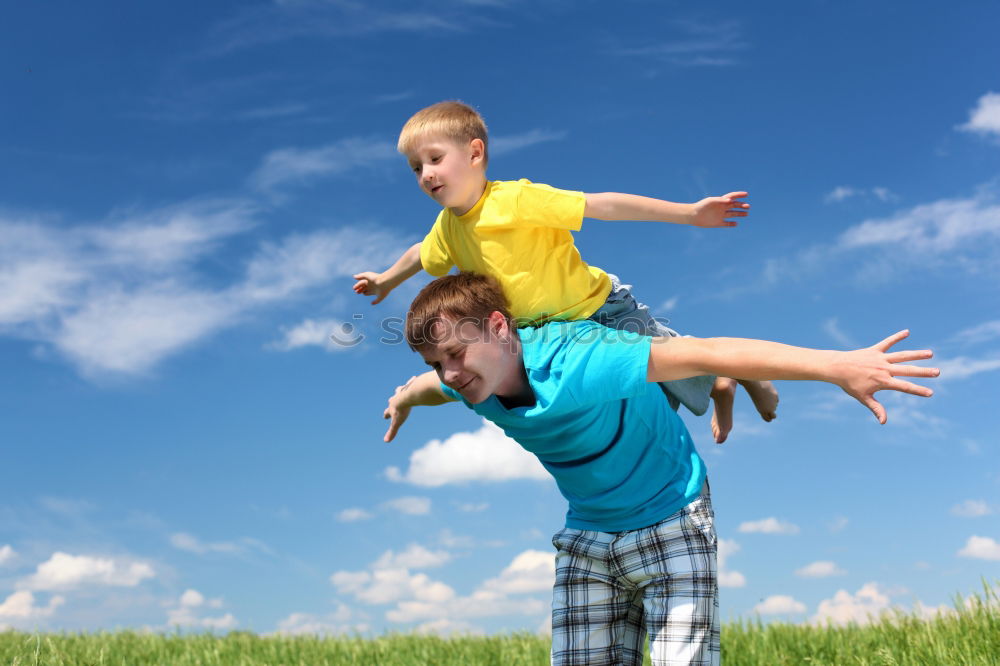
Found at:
(877, 409)
(393, 427)
(913, 371)
(378, 300)
(909, 355)
(909, 387)
(891, 340)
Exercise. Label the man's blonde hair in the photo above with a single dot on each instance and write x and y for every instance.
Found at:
(453, 119)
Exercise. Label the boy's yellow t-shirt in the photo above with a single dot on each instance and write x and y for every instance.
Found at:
(519, 232)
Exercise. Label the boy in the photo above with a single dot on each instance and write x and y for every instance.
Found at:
(519, 232)
(638, 553)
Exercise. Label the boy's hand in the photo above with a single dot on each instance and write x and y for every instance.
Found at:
(369, 284)
(712, 212)
(398, 410)
(865, 371)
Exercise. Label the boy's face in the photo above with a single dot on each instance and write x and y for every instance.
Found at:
(450, 173)
(476, 359)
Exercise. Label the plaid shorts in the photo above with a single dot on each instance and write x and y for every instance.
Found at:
(613, 588)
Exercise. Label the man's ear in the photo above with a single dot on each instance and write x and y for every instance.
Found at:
(477, 150)
(499, 326)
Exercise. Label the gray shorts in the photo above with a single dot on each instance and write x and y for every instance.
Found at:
(622, 312)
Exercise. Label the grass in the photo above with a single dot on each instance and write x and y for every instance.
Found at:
(968, 637)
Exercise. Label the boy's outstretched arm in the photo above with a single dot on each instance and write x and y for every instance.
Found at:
(380, 284)
(860, 373)
(709, 212)
(421, 390)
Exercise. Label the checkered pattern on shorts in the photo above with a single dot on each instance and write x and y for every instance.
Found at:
(611, 588)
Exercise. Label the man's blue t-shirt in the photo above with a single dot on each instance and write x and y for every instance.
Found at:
(620, 456)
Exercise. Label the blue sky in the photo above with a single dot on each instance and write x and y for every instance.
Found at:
(187, 189)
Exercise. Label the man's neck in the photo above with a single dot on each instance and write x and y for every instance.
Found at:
(516, 390)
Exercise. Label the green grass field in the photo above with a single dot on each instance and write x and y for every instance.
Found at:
(970, 636)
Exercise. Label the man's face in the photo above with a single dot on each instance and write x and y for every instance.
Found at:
(448, 172)
(473, 358)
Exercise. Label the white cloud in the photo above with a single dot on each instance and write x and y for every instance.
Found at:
(128, 331)
(985, 118)
(866, 604)
(258, 24)
(484, 455)
(450, 540)
(192, 598)
(414, 557)
(21, 605)
(187, 613)
(446, 627)
(530, 571)
(960, 233)
(329, 334)
(820, 569)
(937, 227)
(410, 506)
(7, 554)
(779, 604)
(768, 526)
(840, 193)
(831, 327)
(843, 192)
(192, 544)
(473, 507)
(342, 621)
(418, 598)
(981, 548)
(303, 261)
(64, 571)
(700, 45)
(299, 165)
(961, 367)
(838, 524)
(727, 578)
(353, 515)
(66, 507)
(986, 331)
(972, 509)
(120, 296)
(503, 145)
(383, 586)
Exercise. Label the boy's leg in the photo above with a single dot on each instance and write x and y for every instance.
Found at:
(621, 311)
(595, 619)
(675, 563)
(764, 396)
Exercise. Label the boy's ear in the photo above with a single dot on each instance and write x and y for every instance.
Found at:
(477, 150)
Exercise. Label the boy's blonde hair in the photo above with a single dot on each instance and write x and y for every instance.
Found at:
(453, 119)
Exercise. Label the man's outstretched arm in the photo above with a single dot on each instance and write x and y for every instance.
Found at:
(422, 390)
(860, 373)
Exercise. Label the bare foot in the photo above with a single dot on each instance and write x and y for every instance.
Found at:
(722, 418)
(764, 396)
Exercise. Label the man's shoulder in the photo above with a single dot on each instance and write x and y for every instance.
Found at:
(572, 337)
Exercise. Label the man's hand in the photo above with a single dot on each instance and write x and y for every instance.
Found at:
(398, 410)
(863, 372)
(712, 212)
(370, 284)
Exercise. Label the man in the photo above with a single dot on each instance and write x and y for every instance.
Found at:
(638, 552)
